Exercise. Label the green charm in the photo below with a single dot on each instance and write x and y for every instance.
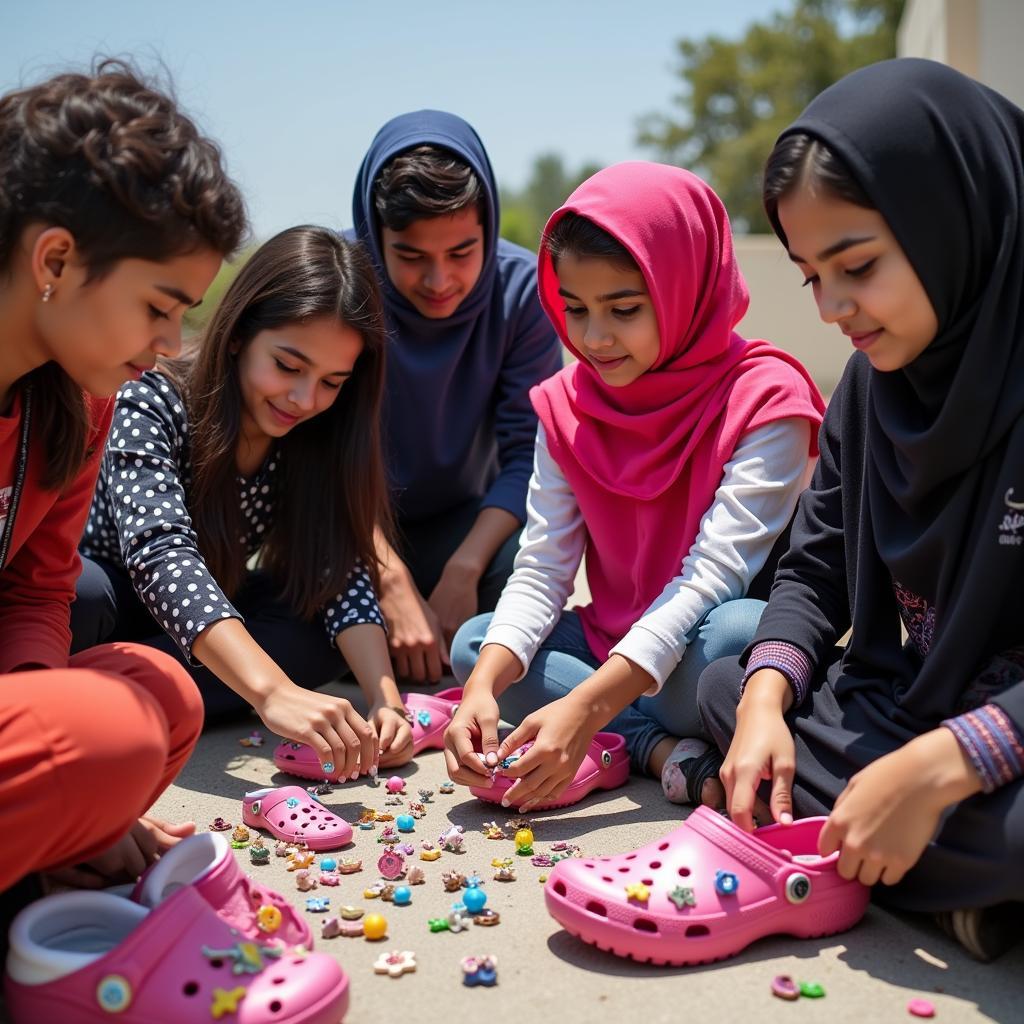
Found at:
(682, 896)
(438, 924)
(811, 989)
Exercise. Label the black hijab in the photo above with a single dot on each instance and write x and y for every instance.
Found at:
(940, 156)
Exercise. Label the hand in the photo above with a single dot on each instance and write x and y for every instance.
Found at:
(129, 857)
(454, 600)
(473, 730)
(561, 734)
(330, 725)
(762, 748)
(417, 643)
(890, 810)
(394, 734)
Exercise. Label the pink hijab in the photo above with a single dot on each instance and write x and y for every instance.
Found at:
(644, 461)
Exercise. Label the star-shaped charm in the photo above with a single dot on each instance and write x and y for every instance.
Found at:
(226, 1001)
(638, 891)
(682, 896)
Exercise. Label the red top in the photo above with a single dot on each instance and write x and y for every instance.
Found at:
(37, 580)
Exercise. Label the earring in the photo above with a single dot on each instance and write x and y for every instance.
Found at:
(47, 292)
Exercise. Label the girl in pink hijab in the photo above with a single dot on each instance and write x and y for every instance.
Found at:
(670, 454)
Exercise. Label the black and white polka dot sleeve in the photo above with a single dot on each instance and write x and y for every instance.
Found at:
(145, 467)
(354, 606)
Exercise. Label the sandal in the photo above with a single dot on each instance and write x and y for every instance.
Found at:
(705, 892)
(205, 862)
(290, 813)
(91, 957)
(606, 766)
(428, 713)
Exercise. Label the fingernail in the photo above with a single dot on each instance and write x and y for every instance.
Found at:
(354, 775)
(786, 818)
(492, 758)
(504, 802)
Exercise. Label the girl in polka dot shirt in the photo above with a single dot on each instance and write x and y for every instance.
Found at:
(237, 501)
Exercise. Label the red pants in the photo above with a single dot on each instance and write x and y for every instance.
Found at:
(84, 751)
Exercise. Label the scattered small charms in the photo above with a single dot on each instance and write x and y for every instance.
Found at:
(259, 852)
(350, 913)
(452, 880)
(393, 800)
(254, 739)
(391, 864)
(220, 825)
(517, 824)
(432, 854)
(492, 830)
(487, 917)
(282, 849)
(349, 866)
(375, 927)
(417, 810)
(474, 898)
(396, 784)
(506, 872)
(301, 859)
(240, 838)
(524, 842)
(479, 970)
(811, 990)
(921, 1008)
(330, 878)
(322, 788)
(367, 814)
(387, 893)
(415, 875)
(438, 924)
(226, 1000)
(402, 896)
(452, 839)
(317, 904)
(406, 823)
(395, 963)
(425, 795)
(372, 892)
(784, 987)
(304, 880)
(541, 860)
(388, 835)
(446, 788)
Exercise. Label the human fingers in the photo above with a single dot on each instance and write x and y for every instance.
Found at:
(781, 802)
(525, 789)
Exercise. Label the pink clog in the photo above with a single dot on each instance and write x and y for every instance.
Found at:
(705, 892)
(428, 713)
(290, 813)
(90, 957)
(606, 766)
(206, 862)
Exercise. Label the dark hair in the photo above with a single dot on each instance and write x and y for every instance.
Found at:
(427, 181)
(111, 159)
(798, 159)
(332, 471)
(576, 235)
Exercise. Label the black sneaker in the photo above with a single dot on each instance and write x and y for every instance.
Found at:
(988, 932)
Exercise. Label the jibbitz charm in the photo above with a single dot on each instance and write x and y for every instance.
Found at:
(798, 888)
(113, 993)
(606, 759)
(726, 883)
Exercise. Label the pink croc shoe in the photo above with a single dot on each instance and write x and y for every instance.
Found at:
(606, 766)
(428, 713)
(705, 892)
(205, 862)
(290, 813)
(90, 957)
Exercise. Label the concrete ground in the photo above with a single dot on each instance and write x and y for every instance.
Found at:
(869, 974)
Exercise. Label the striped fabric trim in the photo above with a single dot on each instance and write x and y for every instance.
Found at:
(993, 744)
(785, 658)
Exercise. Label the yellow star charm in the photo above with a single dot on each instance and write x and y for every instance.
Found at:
(226, 1001)
(638, 891)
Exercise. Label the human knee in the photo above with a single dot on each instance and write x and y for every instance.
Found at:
(718, 693)
(728, 628)
(466, 644)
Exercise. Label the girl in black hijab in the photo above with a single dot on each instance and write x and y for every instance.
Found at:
(898, 194)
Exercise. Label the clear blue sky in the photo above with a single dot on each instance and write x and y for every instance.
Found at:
(294, 91)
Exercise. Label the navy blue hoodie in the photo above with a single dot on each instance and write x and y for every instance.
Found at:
(458, 424)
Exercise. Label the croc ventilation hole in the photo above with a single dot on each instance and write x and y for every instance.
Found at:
(631, 856)
(663, 847)
(623, 871)
(278, 981)
(641, 924)
(647, 881)
(684, 872)
(605, 878)
(654, 865)
(559, 888)
(216, 963)
(597, 908)
(697, 931)
(289, 757)
(190, 988)
(275, 1006)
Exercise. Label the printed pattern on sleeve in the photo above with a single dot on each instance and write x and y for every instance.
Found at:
(992, 743)
(918, 617)
(140, 518)
(785, 658)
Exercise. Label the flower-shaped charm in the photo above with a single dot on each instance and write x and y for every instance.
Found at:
(396, 963)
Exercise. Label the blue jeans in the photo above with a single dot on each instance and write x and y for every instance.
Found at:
(564, 661)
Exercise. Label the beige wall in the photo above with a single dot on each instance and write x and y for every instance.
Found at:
(785, 314)
(981, 38)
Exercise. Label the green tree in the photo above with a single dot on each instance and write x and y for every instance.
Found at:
(524, 213)
(738, 95)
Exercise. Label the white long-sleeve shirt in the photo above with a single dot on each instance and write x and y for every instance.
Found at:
(752, 506)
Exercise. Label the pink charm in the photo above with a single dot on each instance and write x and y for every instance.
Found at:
(784, 987)
(920, 1008)
(396, 784)
(391, 865)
